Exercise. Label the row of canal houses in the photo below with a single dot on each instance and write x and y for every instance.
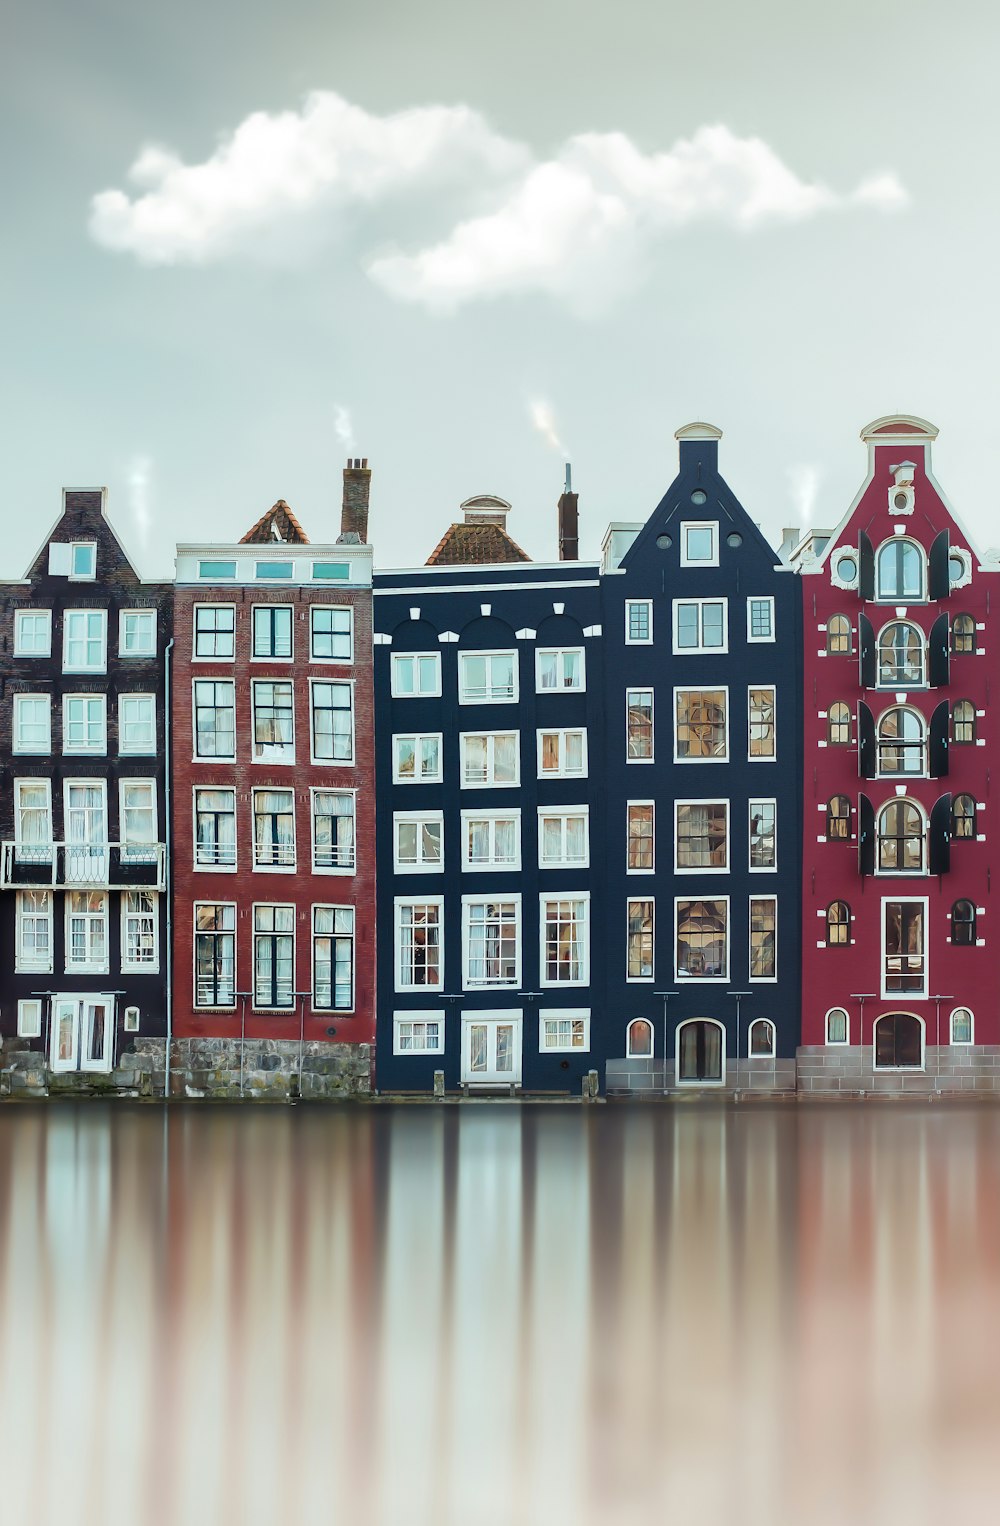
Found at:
(696, 816)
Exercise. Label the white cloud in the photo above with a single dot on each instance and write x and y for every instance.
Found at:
(343, 427)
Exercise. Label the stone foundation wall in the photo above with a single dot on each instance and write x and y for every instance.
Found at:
(638, 1077)
(848, 1069)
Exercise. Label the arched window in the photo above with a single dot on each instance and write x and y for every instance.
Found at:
(762, 1039)
(899, 1042)
(838, 819)
(963, 923)
(899, 570)
(838, 724)
(838, 924)
(901, 655)
(836, 1026)
(963, 722)
(900, 838)
(838, 635)
(701, 1051)
(963, 634)
(963, 816)
(961, 1026)
(901, 738)
(639, 1043)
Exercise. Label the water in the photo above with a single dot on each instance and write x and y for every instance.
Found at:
(493, 1314)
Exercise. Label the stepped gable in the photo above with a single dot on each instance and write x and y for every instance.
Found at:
(278, 524)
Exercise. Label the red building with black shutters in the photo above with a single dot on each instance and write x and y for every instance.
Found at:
(899, 984)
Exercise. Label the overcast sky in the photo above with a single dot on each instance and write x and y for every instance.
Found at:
(243, 241)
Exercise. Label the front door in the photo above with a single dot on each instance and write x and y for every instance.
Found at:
(491, 1048)
(82, 1035)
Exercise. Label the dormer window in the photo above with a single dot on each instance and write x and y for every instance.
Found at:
(900, 570)
(699, 543)
(83, 560)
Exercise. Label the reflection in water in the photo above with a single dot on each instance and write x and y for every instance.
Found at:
(496, 1314)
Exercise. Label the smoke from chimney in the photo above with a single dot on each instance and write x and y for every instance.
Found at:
(354, 514)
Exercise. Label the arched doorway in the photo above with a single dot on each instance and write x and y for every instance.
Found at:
(700, 1052)
(899, 1042)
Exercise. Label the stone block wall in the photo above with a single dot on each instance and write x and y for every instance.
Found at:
(644, 1077)
(848, 1069)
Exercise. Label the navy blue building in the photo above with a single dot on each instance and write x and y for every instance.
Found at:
(701, 774)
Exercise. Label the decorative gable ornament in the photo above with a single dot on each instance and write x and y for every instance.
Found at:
(901, 493)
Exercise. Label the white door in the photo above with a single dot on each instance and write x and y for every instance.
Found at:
(83, 1030)
(491, 1048)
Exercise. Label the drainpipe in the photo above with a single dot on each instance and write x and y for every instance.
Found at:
(168, 868)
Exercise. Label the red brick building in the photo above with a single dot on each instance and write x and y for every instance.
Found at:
(273, 808)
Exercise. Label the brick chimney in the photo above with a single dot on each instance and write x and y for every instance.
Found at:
(354, 514)
(569, 522)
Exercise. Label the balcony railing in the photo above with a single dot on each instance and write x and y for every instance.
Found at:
(83, 866)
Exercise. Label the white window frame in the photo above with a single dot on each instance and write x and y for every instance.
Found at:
(490, 782)
(102, 665)
(772, 756)
(344, 683)
(135, 851)
(89, 966)
(631, 604)
(700, 980)
(23, 964)
(961, 1043)
(633, 900)
(761, 868)
(560, 653)
(197, 656)
(145, 751)
(423, 1016)
(264, 932)
(417, 738)
(545, 899)
(417, 819)
(43, 615)
(500, 898)
(144, 967)
(396, 658)
(271, 867)
(214, 867)
(97, 784)
(489, 696)
(33, 852)
(761, 980)
(271, 756)
(571, 1015)
(17, 744)
(699, 524)
(100, 748)
(837, 1043)
(648, 1021)
(722, 689)
(562, 733)
(641, 689)
(469, 866)
(901, 1011)
(902, 997)
(29, 1018)
(768, 1023)
(352, 794)
(212, 757)
(142, 617)
(399, 903)
(82, 577)
(562, 814)
(753, 599)
(699, 649)
(726, 868)
(334, 936)
(628, 835)
(698, 1081)
(228, 932)
(339, 609)
(256, 609)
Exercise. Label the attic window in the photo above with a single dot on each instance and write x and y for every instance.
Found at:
(217, 572)
(274, 570)
(327, 571)
(699, 544)
(83, 560)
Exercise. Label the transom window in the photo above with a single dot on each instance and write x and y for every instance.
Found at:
(488, 758)
(415, 673)
(419, 950)
(699, 543)
(963, 634)
(763, 834)
(333, 831)
(838, 635)
(641, 837)
(331, 634)
(702, 942)
(838, 724)
(416, 758)
(901, 656)
(905, 949)
(900, 838)
(85, 643)
(272, 630)
(838, 819)
(639, 954)
(214, 954)
(273, 722)
(901, 742)
(838, 924)
(761, 720)
(702, 834)
(963, 722)
(638, 622)
(639, 712)
(899, 570)
(487, 678)
(419, 840)
(492, 941)
(963, 816)
(562, 754)
(214, 630)
(33, 633)
(701, 732)
(215, 828)
(137, 633)
(274, 957)
(700, 625)
(559, 668)
(565, 940)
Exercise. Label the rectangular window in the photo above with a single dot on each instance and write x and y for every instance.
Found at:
(638, 622)
(267, 572)
(701, 733)
(215, 828)
(85, 643)
(565, 940)
(701, 834)
(33, 821)
(137, 633)
(560, 668)
(83, 560)
(489, 758)
(273, 721)
(333, 958)
(562, 754)
(639, 965)
(492, 939)
(32, 723)
(223, 572)
(29, 1019)
(763, 834)
(140, 943)
(641, 844)
(274, 958)
(215, 630)
(418, 1033)
(491, 841)
(702, 939)
(33, 950)
(760, 619)
(86, 828)
(761, 716)
(214, 954)
(332, 722)
(272, 630)
(419, 944)
(418, 841)
(701, 625)
(763, 937)
(323, 571)
(87, 931)
(33, 633)
(700, 543)
(137, 818)
(331, 634)
(85, 727)
(905, 949)
(273, 829)
(415, 673)
(563, 837)
(137, 723)
(487, 678)
(416, 758)
(333, 833)
(214, 718)
(564, 1030)
(639, 713)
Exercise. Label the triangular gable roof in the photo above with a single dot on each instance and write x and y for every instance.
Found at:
(40, 553)
(280, 518)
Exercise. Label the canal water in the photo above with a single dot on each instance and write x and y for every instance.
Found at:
(499, 1314)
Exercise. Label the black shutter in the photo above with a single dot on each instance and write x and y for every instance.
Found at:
(939, 740)
(939, 586)
(940, 836)
(866, 567)
(866, 836)
(866, 742)
(938, 654)
(866, 652)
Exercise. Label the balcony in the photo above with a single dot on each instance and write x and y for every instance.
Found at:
(83, 866)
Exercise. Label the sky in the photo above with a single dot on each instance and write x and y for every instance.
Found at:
(241, 242)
